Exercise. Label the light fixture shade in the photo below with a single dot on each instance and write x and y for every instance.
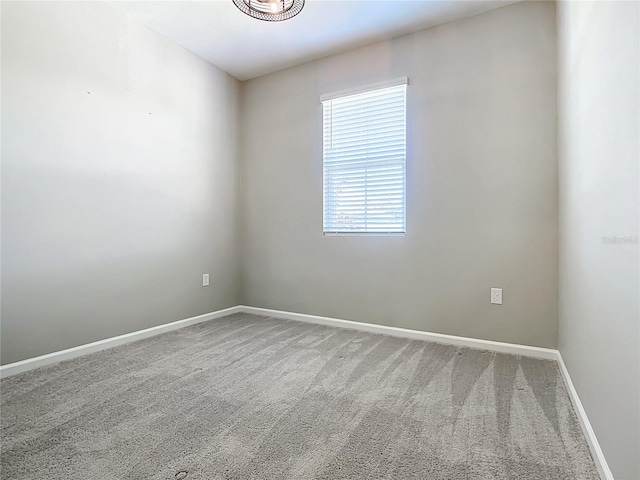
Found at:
(270, 10)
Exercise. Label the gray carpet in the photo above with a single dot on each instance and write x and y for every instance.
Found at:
(249, 397)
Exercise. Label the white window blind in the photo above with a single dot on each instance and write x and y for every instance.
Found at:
(364, 162)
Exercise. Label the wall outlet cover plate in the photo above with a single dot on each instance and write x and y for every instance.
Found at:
(496, 296)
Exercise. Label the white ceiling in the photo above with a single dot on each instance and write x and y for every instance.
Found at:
(245, 47)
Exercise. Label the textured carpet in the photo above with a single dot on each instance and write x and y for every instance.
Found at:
(249, 397)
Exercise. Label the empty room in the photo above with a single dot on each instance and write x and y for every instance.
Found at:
(320, 239)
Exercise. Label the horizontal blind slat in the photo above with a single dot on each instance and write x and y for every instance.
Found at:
(363, 194)
(371, 172)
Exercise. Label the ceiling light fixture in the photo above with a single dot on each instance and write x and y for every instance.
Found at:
(270, 10)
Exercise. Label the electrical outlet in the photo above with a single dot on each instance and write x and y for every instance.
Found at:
(205, 279)
(496, 296)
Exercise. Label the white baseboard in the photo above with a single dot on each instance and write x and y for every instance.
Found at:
(50, 358)
(592, 441)
(501, 347)
(55, 357)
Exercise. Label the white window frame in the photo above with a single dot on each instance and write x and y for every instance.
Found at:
(346, 93)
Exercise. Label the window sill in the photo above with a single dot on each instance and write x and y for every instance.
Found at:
(364, 234)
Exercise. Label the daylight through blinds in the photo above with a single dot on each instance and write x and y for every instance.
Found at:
(364, 158)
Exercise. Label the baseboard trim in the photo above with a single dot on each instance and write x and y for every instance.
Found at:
(501, 347)
(587, 430)
(81, 350)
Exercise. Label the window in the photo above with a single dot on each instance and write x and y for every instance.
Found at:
(364, 161)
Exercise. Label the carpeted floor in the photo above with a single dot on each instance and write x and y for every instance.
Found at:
(249, 397)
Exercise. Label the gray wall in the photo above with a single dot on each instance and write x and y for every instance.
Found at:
(482, 184)
(118, 178)
(599, 47)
